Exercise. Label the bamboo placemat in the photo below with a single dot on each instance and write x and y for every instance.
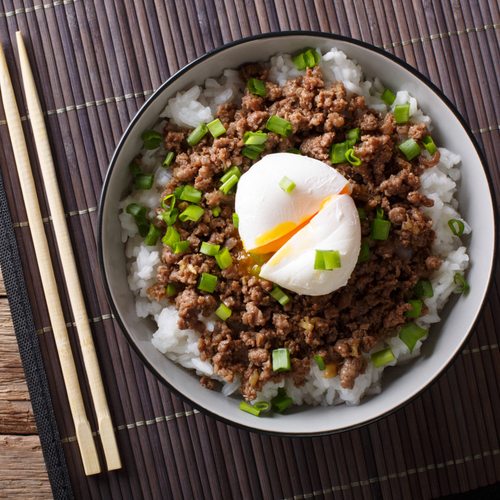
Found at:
(95, 63)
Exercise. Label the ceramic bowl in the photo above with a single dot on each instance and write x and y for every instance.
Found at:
(400, 384)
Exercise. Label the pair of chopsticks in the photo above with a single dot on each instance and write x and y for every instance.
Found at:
(82, 427)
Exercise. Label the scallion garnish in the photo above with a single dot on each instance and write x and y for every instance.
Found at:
(465, 287)
(410, 148)
(171, 237)
(234, 170)
(178, 191)
(294, 151)
(362, 214)
(207, 282)
(209, 249)
(287, 185)
(327, 260)
(216, 128)
(410, 334)
(364, 252)
(388, 97)
(320, 362)
(230, 183)
(197, 134)
(216, 211)
(281, 360)
(136, 210)
(164, 201)
(181, 246)
(281, 402)
(380, 229)
(193, 213)
(429, 144)
(402, 113)
(151, 139)
(254, 138)
(169, 217)
(249, 408)
(189, 193)
(354, 134)
(308, 59)
(257, 87)
(250, 152)
(261, 405)
(338, 151)
(135, 169)
(459, 229)
(416, 308)
(379, 213)
(152, 236)
(351, 157)
(423, 289)
(279, 125)
(223, 258)
(236, 221)
(278, 294)
(144, 181)
(168, 159)
(171, 288)
(383, 357)
(223, 312)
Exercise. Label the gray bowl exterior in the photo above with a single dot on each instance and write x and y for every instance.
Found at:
(399, 384)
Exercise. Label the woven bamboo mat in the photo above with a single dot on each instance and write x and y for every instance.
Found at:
(96, 62)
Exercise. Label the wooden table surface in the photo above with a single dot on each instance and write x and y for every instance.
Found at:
(22, 469)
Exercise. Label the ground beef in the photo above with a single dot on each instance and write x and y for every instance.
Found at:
(339, 326)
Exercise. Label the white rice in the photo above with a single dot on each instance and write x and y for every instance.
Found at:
(197, 105)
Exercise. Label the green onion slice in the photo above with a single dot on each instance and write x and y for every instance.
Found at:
(250, 152)
(410, 148)
(193, 213)
(281, 360)
(338, 152)
(416, 308)
(320, 362)
(136, 210)
(383, 357)
(327, 260)
(230, 183)
(294, 151)
(281, 402)
(152, 236)
(279, 125)
(309, 59)
(171, 237)
(254, 138)
(197, 134)
(257, 87)
(216, 128)
(388, 97)
(207, 282)
(189, 193)
(164, 201)
(364, 252)
(402, 113)
(362, 214)
(223, 258)
(278, 294)
(171, 288)
(223, 312)
(410, 334)
(178, 191)
(216, 211)
(234, 170)
(379, 213)
(151, 139)
(380, 229)
(459, 229)
(423, 289)
(209, 249)
(287, 185)
(262, 405)
(351, 157)
(236, 221)
(249, 408)
(168, 159)
(429, 144)
(144, 181)
(135, 169)
(465, 287)
(354, 134)
(169, 217)
(181, 246)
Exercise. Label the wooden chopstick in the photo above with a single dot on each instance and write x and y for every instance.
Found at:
(82, 426)
(68, 262)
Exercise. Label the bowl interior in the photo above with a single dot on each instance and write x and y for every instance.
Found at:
(446, 338)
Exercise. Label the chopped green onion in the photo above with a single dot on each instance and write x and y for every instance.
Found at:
(249, 408)
(144, 181)
(171, 288)
(189, 193)
(151, 139)
(379, 213)
(181, 246)
(254, 138)
(281, 360)
(197, 134)
(256, 270)
(459, 230)
(287, 185)
(362, 214)
(257, 87)
(351, 157)
(338, 151)
(294, 151)
(178, 191)
(261, 405)
(207, 282)
(136, 210)
(216, 211)
(383, 357)
(380, 229)
(135, 169)
(236, 221)
(168, 159)
(416, 308)
(354, 134)
(388, 97)
(169, 217)
(465, 287)
(279, 125)
(402, 113)
(410, 148)
(152, 236)
(230, 183)
(171, 237)
(423, 289)
(281, 402)
(223, 312)
(410, 334)
(209, 249)
(278, 294)
(216, 128)
(327, 260)
(250, 152)
(234, 170)
(308, 59)
(429, 144)
(364, 252)
(223, 258)
(193, 213)
(320, 362)
(165, 199)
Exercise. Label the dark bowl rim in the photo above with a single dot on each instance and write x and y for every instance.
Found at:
(187, 68)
